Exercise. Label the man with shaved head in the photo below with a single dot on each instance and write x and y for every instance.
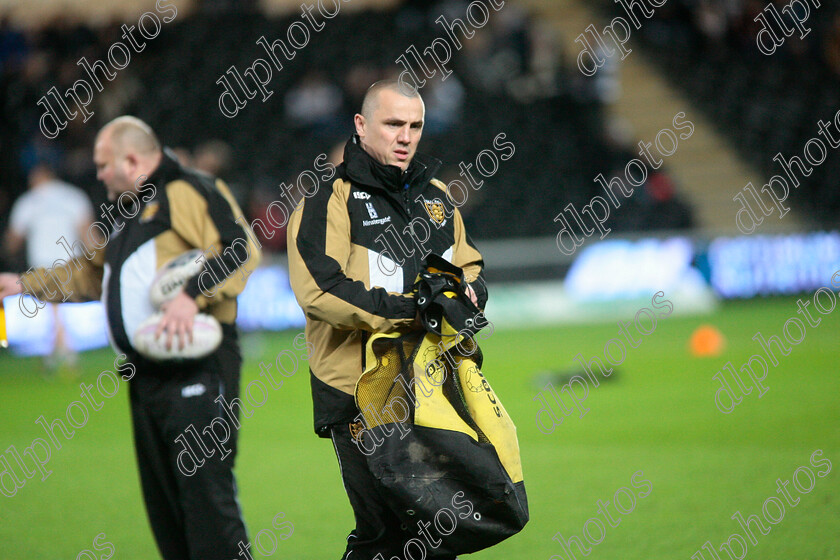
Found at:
(163, 211)
(355, 250)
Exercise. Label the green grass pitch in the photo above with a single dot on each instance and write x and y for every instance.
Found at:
(658, 416)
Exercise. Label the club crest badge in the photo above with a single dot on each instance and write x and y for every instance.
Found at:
(149, 211)
(435, 210)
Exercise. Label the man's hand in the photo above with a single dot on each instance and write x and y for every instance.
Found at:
(178, 315)
(9, 285)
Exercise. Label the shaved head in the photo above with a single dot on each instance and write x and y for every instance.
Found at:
(391, 123)
(371, 100)
(126, 149)
(130, 133)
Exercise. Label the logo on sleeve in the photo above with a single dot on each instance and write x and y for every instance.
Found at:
(371, 210)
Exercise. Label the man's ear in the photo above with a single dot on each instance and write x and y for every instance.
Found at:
(360, 122)
(130, 163)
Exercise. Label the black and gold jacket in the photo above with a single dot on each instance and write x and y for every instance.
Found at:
(352, 264)
(177, 209)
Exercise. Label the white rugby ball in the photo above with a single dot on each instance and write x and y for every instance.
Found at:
(207, 335)
(173, 275)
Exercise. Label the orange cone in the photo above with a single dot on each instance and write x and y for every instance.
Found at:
(706, 341)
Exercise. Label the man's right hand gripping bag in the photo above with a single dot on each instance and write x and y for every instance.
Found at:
(437, 437)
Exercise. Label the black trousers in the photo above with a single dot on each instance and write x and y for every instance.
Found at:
(378, 530)
(193, 517)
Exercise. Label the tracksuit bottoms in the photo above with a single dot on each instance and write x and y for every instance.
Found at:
(193, 516)
(378, 529)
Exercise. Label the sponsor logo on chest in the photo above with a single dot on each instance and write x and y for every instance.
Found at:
(374, 220)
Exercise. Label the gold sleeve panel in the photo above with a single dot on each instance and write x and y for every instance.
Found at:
(169, 245)
(316, 303)
(236, 283)
(189, 216)
(77, 281)
(338, 225)
(192, 221)
(465, 255)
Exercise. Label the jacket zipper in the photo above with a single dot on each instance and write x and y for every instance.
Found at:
(414, 256)
(407, 201)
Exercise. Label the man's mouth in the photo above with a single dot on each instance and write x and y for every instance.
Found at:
(402, 154)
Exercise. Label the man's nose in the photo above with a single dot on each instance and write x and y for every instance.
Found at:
(404, 135)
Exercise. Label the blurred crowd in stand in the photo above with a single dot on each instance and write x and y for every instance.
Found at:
(511, 77)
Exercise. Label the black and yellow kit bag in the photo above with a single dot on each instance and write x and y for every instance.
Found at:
(436, 435)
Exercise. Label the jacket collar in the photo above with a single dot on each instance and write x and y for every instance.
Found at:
(363, 169)
(167, 170)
